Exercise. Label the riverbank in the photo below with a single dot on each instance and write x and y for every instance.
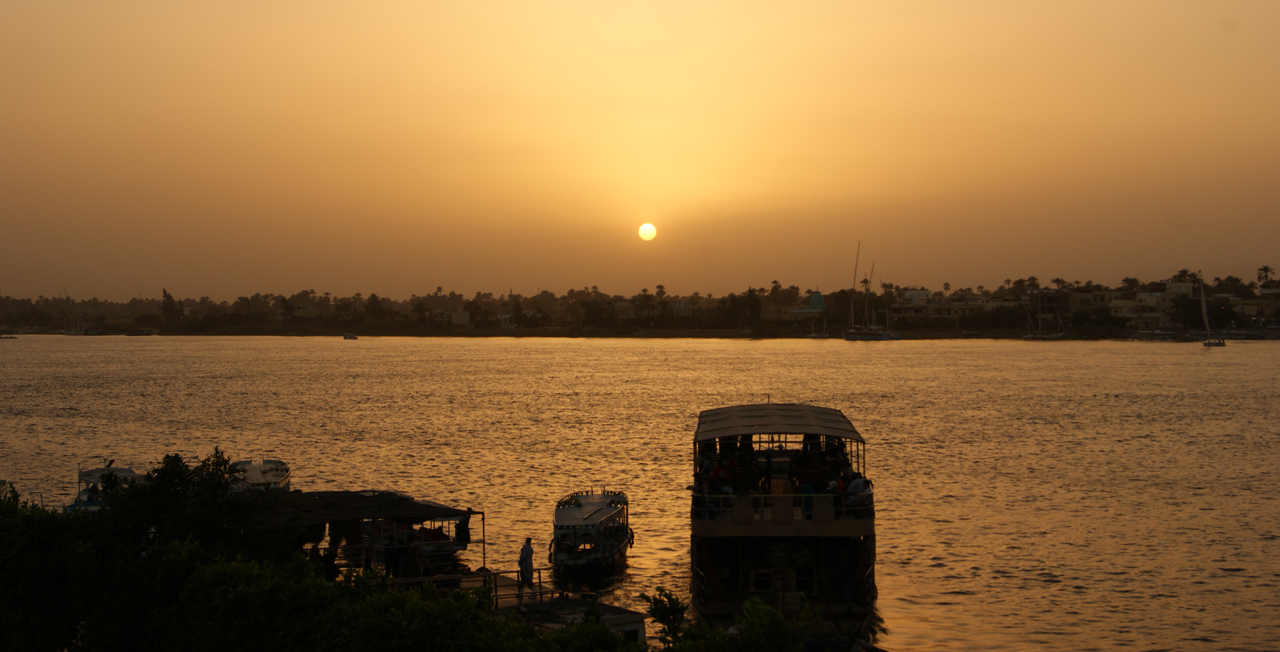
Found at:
(368, 330)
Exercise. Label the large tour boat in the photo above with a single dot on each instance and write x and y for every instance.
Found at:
(782, 511)
(592, 529)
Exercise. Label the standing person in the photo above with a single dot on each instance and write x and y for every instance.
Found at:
(526, 569)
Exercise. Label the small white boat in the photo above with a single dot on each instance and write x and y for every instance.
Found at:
(89, 485)
(261, 475)
(591, 529)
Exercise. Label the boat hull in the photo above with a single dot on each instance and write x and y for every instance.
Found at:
(871, 336)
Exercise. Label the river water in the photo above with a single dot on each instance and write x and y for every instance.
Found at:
(1030, 495)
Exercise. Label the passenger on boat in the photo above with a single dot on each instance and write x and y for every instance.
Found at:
(432, 534)
(726, 500)
(705, 500)
(806, 503)
(810, 445)
(835, 446)
(705, 465)
(858, 496)
(720, 475)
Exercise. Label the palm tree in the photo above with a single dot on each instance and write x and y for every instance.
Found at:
(1059, 282)
(1265, 273)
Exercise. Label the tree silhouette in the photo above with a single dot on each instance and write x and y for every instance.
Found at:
(169, 308)
(1266, 273)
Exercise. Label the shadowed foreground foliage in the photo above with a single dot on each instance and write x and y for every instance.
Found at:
(179, 563)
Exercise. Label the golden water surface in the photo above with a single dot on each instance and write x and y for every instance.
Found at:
(1030, 495)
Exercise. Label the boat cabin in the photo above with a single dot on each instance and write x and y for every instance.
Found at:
(406, 537)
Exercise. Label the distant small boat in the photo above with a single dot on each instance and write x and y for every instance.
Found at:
(138, 332)
(1039, 336)
(350, 336)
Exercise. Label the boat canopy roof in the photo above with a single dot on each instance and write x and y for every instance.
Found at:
(774, 419)
(315, 507)
(95, 475)
(586, 510)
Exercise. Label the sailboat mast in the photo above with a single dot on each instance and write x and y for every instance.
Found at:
(870, 317)
(856, 258)
(1204, 312)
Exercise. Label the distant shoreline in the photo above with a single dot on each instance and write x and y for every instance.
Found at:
(735, 334)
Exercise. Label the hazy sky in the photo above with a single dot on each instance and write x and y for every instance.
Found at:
(225, 148)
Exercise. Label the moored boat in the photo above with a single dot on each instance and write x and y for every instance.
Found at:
(591, 529)
(781, 511)
(260, 475)
(89, 484)
(441, 532)
(870, 334)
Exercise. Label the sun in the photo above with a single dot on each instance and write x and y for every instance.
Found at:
(647, 232)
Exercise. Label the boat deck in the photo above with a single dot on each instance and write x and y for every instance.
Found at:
(589, 509)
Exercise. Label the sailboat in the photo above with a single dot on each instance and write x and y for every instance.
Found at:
(868, 331)
(1204, 312)
(1035, 331)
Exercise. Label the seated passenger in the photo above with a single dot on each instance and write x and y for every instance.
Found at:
(720, 475)
(859, 494)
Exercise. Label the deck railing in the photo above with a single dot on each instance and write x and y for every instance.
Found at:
(783, 508)
(501, 587)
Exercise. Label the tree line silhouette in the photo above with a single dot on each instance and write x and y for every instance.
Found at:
(587, 308)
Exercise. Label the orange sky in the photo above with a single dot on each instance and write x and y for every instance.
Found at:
(236, 147)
